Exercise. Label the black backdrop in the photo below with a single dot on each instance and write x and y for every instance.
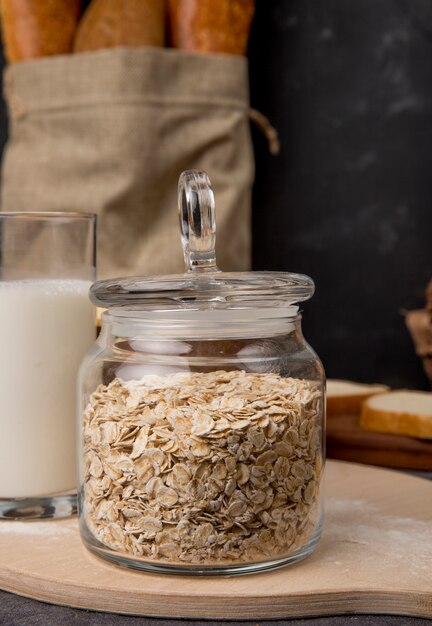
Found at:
(348, 85)
(349, 199)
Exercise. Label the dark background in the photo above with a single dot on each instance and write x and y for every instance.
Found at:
(348, 85)
(348, 200)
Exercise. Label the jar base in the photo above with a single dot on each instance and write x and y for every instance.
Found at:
(131, 562)
(48, 507)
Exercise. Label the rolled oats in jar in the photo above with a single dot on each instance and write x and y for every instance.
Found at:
(202, 415)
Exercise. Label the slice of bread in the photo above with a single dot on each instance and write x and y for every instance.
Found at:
(400, 413)
(346, 398)
(99, 313)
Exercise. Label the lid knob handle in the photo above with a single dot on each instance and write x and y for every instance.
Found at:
(197, 221)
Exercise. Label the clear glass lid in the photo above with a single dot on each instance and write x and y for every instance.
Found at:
(203, 286)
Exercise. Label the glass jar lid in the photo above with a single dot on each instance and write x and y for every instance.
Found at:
(203, 286)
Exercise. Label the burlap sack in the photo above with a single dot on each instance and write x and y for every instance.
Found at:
(110, 131)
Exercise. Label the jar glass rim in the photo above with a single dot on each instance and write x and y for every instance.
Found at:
(201, 324)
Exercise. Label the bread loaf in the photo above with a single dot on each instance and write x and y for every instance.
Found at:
(399, 413)
(210, 25)
(37, 28)
(346, 398)
(110, 23)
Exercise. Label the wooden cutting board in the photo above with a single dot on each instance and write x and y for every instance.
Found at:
(375, 557)
(347, 441)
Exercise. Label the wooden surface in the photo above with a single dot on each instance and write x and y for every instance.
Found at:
(375, 557)
(347, 441)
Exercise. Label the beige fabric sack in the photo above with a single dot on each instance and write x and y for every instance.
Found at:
(110, 131)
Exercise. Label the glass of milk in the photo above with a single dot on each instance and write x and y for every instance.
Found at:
(47, 324)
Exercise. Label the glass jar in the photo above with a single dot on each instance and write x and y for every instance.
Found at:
(202, 415)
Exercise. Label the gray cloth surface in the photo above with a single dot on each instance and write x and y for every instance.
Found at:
(18, 611)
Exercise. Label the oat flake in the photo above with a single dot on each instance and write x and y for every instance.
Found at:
(203, 468)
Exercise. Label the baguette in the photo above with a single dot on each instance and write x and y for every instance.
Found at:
(209, 26)
(399, 413)
(38, 28)
(346, 398)
(110, 23)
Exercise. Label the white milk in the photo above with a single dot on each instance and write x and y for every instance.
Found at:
(46, 327)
